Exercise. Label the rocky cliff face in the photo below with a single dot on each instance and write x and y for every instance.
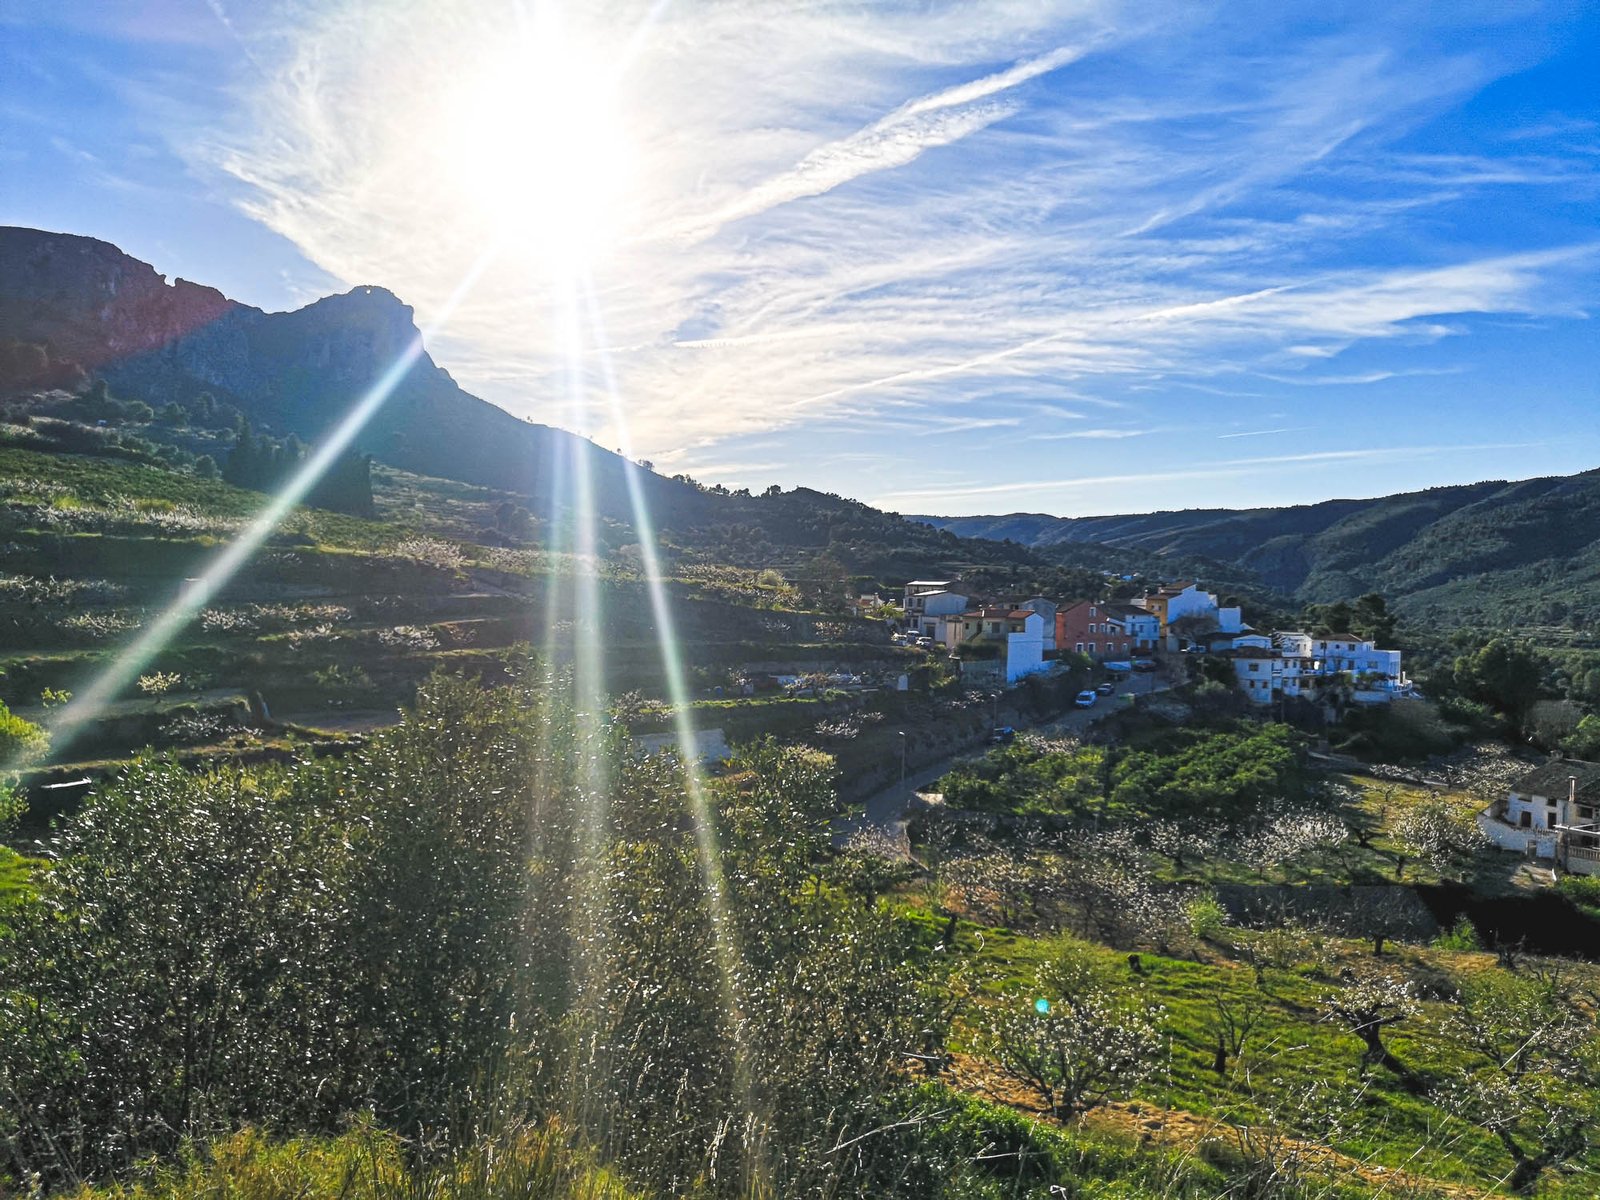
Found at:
(91, 302)
(298, 372)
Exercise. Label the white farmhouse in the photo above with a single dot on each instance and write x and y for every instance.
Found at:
(1017, 635)
(1300, 665)
(1551, 813)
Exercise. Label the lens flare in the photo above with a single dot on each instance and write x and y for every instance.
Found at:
(707, 849)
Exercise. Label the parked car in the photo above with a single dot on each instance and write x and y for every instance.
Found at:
(1144, 664)
(1104, 689)
(1002, 735)
(925, 642)
(1086, 699)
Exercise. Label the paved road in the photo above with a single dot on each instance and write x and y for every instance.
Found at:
(885, 815)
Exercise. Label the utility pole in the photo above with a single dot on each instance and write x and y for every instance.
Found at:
(902, 762)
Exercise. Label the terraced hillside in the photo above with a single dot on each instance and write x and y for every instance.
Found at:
(332, 625)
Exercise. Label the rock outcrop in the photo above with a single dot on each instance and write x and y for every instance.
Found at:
(90, 302)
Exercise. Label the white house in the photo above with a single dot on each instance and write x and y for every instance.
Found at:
(1179, 601)
(1221, 641)
(1551, 813)
(1025, 647)
(1046, 609)
(1300, 665)
(1142, 627)
(1017, 634)
(1376, 674)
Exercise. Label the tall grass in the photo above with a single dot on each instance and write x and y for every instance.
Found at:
(367, 1163)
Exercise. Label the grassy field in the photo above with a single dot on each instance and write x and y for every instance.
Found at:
(1297, 1072)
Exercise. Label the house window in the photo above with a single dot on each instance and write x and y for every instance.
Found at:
(1586, 811)
(1091, 647)
(1255, 666)
(1525, 819)
(1080, 647)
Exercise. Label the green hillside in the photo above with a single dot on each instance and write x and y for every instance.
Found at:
(1485, 554)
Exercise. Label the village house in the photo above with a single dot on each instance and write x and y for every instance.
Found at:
(1265, 674)
(1005, 642)
(1306, 666)
(1187, 615)
(926, 601)
(1142, 627)
(1046, 609)
(1550, 813)
(1089, 627)
(868, 604)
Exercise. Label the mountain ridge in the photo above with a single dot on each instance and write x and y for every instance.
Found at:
(300, 371)
(297, 371)
(1491, 552)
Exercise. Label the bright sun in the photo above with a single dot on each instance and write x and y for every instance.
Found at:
(535, 150)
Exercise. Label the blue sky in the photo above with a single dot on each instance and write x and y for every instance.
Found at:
(958, 258)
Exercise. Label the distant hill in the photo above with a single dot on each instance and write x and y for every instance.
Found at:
(1493, 553)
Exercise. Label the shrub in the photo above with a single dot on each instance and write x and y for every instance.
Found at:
(158, 683)
(20, 740)
(527, 1163)
(1206, 916)
(1582, 890)
(447, 556)
(1462, 937)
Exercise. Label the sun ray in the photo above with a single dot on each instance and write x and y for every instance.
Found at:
(708, 850)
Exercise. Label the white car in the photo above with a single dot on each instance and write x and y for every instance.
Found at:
(1086, 699)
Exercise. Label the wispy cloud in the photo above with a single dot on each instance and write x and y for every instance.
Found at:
(1360, 378)
(893, 141)
(1258, 433)
(1214, 470)
(939, 218)
(1095, 435)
